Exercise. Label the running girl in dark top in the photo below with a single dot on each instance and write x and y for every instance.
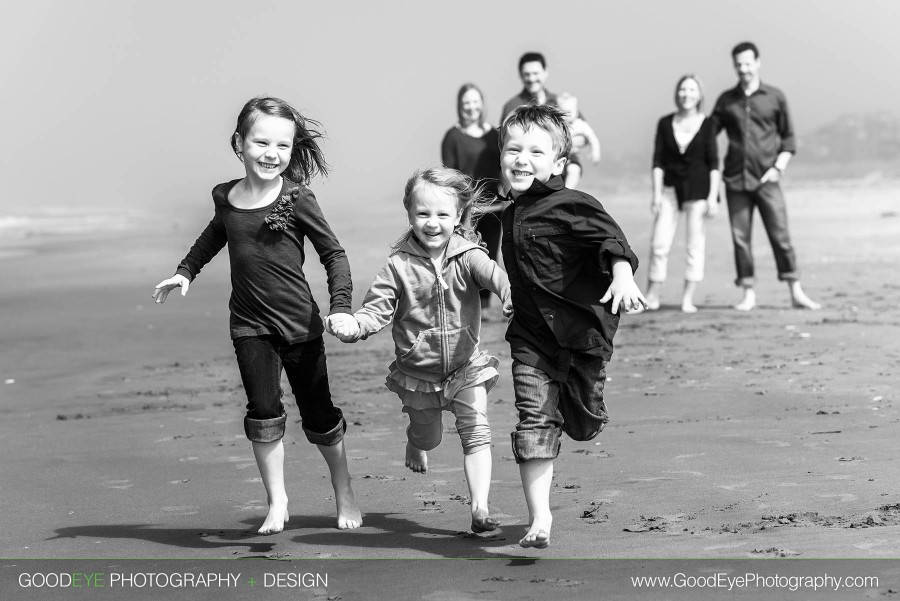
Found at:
(275, 324)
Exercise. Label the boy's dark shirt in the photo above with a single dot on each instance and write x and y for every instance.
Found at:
(558, 246)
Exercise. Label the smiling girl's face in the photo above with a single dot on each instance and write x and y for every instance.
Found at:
(266, 150)
(433, 215)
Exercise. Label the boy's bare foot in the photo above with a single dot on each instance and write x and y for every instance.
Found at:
(416, 459)
(483, 522)
(748, 302)
(348, 514)
(276, 518)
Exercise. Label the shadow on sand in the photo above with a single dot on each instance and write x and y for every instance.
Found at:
(383, 532)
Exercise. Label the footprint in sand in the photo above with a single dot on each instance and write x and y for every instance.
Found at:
(733, 486)
(118, 484)
(180, 509)
(690, 456)
(689, 472)
(845, 498)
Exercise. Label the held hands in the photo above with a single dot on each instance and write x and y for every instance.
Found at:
(166, 286)
(624, 291)
(344, 326)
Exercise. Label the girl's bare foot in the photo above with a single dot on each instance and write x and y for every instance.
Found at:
(276, 518)
(416, 459)
(348, 514)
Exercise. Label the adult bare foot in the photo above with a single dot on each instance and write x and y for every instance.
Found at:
(416, 459)
(748, 302)
(276, 518)
(800, 301)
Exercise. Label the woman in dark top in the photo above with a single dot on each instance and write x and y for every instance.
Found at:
(686, 180)
(472, 146)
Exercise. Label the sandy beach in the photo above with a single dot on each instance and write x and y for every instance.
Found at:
(762, 435)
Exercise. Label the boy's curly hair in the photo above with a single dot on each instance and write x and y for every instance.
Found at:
(543, 116)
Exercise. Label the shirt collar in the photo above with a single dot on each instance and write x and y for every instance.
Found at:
(554, 184)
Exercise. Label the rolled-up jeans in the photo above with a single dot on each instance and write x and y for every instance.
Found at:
(260, 360)
(547, 407)
(769, 199)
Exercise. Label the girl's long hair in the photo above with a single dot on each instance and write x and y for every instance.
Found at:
(471, 199)
(307, 159)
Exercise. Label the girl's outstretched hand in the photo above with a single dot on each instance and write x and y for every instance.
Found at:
(342, 325)
(166, 286)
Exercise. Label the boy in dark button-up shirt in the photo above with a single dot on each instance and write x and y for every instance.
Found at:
(570, 268)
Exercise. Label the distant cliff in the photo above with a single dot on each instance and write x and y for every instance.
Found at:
(869, 137)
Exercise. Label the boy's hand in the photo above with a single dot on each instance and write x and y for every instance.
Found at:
(624, 290)
(342, 325)
(166, 286)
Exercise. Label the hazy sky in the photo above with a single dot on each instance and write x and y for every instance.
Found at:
(132, 103)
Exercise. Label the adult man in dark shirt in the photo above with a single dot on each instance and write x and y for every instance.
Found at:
(760, 146)
(533, 72)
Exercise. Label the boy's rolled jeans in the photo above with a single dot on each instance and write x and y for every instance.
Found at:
(547, 407)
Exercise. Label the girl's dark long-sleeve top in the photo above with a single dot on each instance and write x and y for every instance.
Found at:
(687, 172)
(270, 294)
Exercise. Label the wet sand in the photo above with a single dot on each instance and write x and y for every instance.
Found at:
(769, 434)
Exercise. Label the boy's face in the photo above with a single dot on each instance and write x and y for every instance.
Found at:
(528, 155)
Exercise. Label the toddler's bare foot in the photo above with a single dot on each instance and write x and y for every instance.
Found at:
(538, 536)
(688, 307)
(416, 459)
(348, 514)
(748, 302)
(652, 302)
(483, 522)
(276, 518)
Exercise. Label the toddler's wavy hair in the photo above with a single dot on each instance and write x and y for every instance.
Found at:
(470, 198)
(307, 159)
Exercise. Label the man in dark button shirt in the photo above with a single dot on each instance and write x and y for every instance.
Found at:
(533, 73)
(760, 146)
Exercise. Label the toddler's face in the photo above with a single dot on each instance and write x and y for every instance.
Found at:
(266, 150)
(528, 155)
(433, 214)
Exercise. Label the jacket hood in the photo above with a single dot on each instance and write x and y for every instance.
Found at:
(456, 246)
